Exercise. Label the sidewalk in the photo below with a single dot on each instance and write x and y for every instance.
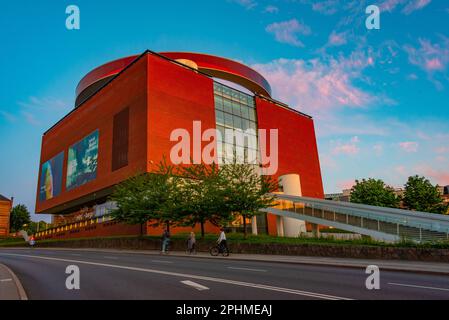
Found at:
(10, 286)
(390, 265)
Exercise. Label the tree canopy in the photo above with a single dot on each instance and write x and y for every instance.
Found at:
(374, 192)
(20, 216)
(193, 195)
(421, 195)
(246, 191)
(147, 197)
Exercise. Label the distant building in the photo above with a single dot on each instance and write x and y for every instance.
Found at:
(344, 196)
(5, 213)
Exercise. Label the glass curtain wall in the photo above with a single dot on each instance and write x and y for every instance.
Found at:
(235, 114)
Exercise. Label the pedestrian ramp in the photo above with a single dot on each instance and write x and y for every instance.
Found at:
(380, 223)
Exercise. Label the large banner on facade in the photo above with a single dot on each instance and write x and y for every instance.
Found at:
(51, 178)
(82, 161)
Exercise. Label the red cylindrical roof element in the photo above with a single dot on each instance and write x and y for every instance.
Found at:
(211, 65)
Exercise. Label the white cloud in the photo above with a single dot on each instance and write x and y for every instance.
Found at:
(439, 176)
(349, 148)
(346, 184)
(271, 9)
(35, 109)
(8, 116)
(46, 103)
(288, 31)
(317, 85)
(378, 149)
(442, 150)
(409, 146)
(30, 118)
(410, 5)
(337, 39)
(248, 4)
(415, 5)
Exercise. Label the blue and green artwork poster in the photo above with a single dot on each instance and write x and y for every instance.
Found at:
(51, 178)
(82, 161)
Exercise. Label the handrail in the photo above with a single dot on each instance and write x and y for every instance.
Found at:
(369, 208)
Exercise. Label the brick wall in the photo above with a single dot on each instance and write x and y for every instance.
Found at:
(5, 210)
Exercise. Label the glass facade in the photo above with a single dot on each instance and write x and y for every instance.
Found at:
(236, 121)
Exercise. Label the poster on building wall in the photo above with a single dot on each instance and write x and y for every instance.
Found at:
(82, 161)
(51, 178)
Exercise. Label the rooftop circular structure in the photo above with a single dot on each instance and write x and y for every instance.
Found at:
(210, 65)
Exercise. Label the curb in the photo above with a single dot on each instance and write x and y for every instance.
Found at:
(19, 287)
(337, 264)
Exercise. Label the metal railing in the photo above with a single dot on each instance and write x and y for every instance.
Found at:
(377, 222)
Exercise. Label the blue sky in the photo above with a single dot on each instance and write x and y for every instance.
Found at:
(380, 98)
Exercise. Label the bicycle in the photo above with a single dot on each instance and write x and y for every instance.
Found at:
(217, 249)
(167, 247)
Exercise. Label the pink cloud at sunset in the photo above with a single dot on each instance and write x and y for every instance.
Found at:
(409, 146)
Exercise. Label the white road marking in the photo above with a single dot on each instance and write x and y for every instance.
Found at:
(247, 269)
(195, 285)
(416, 286)
(161, 261)
(191, 276)
(5, 280)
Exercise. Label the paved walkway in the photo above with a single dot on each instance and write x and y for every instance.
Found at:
(10, 286)
(392, 265)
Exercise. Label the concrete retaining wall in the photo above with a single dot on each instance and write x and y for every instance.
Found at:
(319, 250)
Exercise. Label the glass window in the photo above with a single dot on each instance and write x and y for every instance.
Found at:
(250, 101)
(235, 111)
(245, 112)
(243, 98)
(227, 105)
(252, 114)
(228, 120)
(237, 122)
(236, 108)
(252, 142)
(219, 149)
(218, 100)
(221, 129)
(219, 116)
(227, 92)
(252, 125)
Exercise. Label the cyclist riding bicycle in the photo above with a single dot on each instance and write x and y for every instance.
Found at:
(222, 242)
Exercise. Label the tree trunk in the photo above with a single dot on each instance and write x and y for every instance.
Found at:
(202, 229)
(168, 226)
(141, 229)
(244, 227)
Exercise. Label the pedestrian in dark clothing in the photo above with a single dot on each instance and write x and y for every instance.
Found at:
(165, 240)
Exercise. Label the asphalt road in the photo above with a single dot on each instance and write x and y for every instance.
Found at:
(139, 276)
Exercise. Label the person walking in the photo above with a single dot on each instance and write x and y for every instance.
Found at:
(165, 240)
(191, 243)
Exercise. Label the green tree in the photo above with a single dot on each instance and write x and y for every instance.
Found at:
(421, 195)
(375, 193)
(147, 197)
(202, 197)
(246, 191)
(34, 227)
(20, 216)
